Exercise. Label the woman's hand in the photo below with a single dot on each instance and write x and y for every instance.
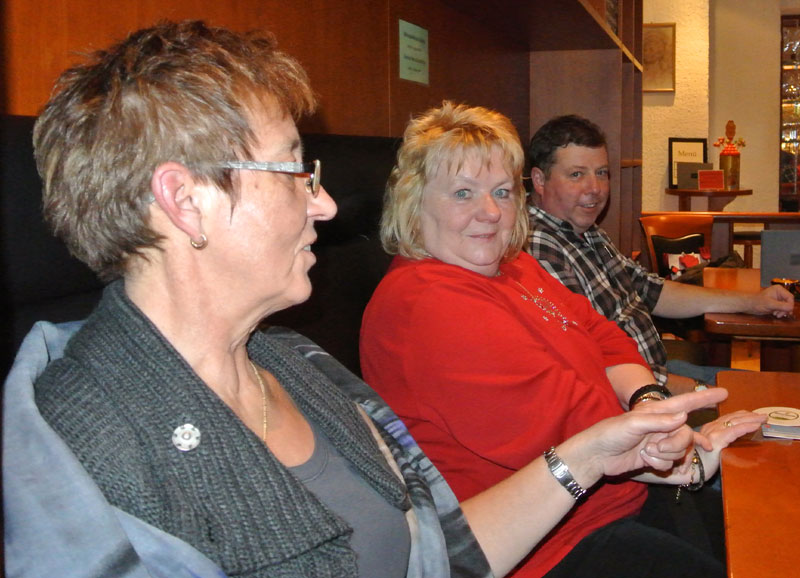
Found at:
(653, 435)
(514, 515)
(725, 430)
(715, 436)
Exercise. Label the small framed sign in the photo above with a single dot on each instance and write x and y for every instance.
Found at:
(685, 150)
(413, 50)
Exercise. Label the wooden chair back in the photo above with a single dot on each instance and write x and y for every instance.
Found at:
(683, 226)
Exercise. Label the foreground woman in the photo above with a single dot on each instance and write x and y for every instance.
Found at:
(491, 362)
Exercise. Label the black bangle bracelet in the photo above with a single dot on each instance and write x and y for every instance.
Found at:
(652, 388)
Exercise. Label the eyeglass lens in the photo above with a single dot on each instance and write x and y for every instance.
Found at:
(313, 183)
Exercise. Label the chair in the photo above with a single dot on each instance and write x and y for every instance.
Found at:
(678, 233)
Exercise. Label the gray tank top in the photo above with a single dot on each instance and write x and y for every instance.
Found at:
(380, 533)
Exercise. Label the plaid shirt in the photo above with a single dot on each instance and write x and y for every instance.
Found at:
(617, 287)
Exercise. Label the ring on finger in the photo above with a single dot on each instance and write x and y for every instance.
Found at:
(728, 424)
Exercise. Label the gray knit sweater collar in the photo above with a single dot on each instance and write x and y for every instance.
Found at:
(230, 497)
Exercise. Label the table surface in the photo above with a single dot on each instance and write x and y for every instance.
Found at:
(743, 324)
(761, 481)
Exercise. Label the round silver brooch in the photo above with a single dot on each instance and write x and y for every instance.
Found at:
(186, 437)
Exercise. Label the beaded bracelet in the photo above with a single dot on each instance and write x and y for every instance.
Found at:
(697, 464)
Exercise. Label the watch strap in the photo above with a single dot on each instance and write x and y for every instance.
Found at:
(562, 474)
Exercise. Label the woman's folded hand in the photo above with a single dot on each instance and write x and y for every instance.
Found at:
(652, 435)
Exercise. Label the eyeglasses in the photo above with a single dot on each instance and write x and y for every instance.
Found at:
(312, 169)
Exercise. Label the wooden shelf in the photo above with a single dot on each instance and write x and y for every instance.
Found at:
(717, 198)
(545, 26)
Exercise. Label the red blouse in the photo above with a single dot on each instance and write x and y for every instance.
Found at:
(489, 372)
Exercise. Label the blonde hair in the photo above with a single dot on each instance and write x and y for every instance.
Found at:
(446, 136)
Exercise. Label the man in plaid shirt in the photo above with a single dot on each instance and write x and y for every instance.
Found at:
(570, 178)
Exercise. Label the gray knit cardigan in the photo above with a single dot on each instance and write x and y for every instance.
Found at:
(121, 389)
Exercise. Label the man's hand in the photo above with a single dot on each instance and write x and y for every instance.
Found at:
(774, 300)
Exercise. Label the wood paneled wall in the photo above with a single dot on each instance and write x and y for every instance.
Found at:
(474, 64)
(570, 75)
(348, 47)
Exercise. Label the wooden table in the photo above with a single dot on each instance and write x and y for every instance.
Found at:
(717, 198)
(761, 481)
(777, 339)
(743, 324)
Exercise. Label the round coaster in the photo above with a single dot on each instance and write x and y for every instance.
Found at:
(788, 416)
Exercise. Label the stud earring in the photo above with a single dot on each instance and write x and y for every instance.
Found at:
(199, 244)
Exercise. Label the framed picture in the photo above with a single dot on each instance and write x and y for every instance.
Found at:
(658, 57)
(685, 150)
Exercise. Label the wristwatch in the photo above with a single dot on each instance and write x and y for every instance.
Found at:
(561, 473)
(701, 385)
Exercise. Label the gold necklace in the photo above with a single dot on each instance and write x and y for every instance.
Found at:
(263, 401)
(548, 307)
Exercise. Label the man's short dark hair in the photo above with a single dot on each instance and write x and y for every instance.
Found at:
(559, 132)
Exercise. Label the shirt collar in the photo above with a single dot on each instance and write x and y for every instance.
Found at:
(537, 213)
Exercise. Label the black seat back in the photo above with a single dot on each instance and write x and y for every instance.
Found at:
(39, 280)
(664, 246)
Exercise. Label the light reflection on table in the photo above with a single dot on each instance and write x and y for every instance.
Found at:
(761, 481)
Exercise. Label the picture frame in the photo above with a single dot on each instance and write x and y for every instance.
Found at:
(685, 150)
(658, 57)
